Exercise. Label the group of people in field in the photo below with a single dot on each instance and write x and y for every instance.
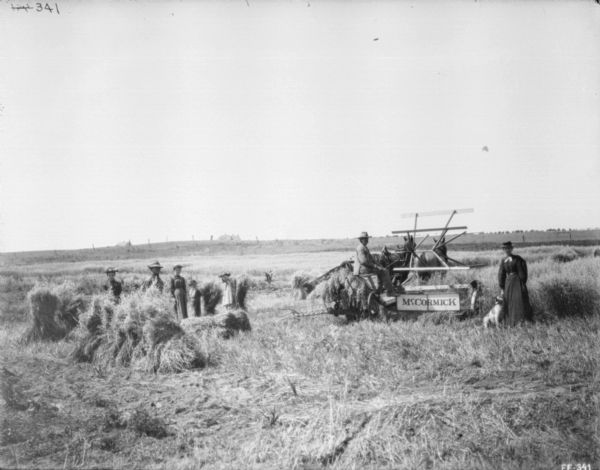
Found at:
(512, 280)
(177, 287)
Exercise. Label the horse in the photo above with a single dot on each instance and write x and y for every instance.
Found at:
(428, 259)
(394, 259)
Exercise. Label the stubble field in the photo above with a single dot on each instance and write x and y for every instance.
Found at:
(317, 392)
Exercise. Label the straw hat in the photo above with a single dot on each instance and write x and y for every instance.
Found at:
(155, 265)
(224, 274)
(110, 269)
(177, 266)
(363, 235)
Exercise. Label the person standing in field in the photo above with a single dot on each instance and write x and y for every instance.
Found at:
(195, 298)
(366, 264)
(512, 278)
(154, 281)
(115, 287)
(179, 293)
(229, 296)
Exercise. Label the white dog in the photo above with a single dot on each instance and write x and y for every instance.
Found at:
(494, 316)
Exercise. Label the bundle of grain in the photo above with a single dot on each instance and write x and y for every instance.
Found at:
(243, 286)
(86, 349)
(301, 285)
(344, 294)
(180, 353)
(225, 324)
(559, 297)
(94, 329)
(54, 312)
(331, 289)
(43, 305)
(139, 331)
(99, 315)
(160, 330)
(212, 295)
(566, 255)
(112, 332)
(71, 304)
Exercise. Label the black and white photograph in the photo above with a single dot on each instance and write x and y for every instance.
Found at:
(300, 234)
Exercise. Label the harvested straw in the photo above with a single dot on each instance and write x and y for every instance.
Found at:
(566, 255)
(343, 293)
(53, 312)
(71, 304)
(140, 332)
(243, 286)
(300, 285)
(94, 329)
(225, 324)
(43, 305)
(212, 295)
(180, 353)
(558, 297)
(160, 330)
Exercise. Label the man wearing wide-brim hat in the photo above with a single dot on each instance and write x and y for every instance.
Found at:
(366, 264)
(154, 281)
(115, 287)
(512, 278)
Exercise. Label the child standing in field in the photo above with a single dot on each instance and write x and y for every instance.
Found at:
(115, 287)
(195, 298)
(179, 293)
(229, 296)
(475, 297)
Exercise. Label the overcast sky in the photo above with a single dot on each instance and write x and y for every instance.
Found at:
(294, 119)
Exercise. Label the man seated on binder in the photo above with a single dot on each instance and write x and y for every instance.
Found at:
(366, 264)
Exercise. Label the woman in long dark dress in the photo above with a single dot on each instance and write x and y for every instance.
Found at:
(179, 293)
(512, 277)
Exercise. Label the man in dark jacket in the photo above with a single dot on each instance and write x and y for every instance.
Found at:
(366, 264)
(113, 285)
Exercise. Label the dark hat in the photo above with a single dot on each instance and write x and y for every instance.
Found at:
(363, 235)
(110, 269)
(193, 282)
(507, 245)
(177, 266)
(225, 274)
(154, 265)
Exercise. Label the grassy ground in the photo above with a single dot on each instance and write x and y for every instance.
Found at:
(316, 392)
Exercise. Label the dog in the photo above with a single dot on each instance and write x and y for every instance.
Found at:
(494, 316)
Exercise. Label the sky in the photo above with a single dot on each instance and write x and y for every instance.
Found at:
(169, 120)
